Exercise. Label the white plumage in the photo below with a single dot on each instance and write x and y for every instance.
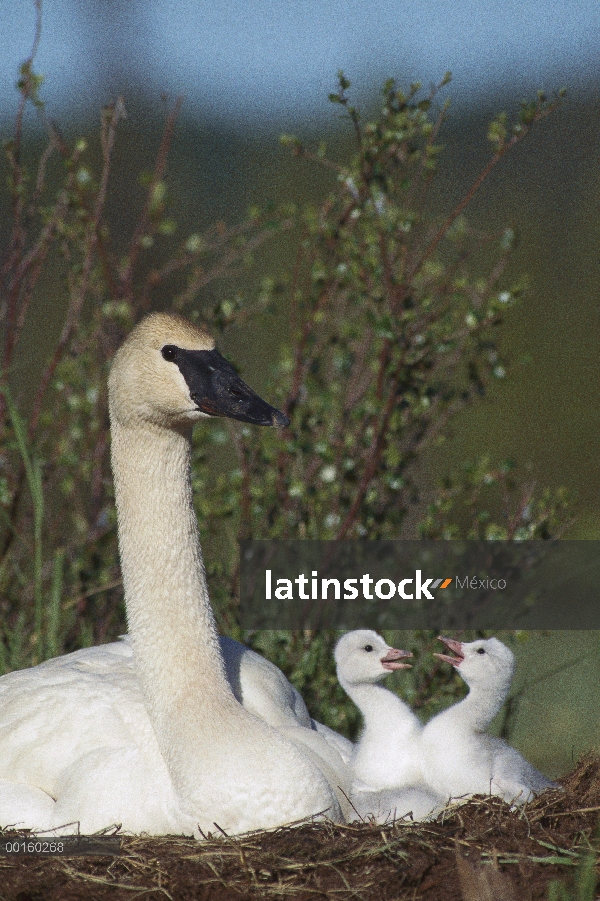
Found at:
(459, 757)
(150, 734)
(388, 779)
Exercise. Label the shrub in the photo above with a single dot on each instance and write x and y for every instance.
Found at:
(390, 335)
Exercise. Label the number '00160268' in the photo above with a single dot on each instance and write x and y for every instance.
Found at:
(23, 846)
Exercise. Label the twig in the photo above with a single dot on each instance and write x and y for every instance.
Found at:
(541, 113)
(143, 225)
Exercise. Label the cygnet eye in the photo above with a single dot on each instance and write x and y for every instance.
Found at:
(368, 647)
(169, 353)
(481, 650)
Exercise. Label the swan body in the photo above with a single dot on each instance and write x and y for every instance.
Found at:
(460, 758)
(91, 699)
(388, 780)
(160, 742)
(342, 745)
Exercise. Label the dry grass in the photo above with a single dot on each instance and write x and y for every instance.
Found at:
(478, 851)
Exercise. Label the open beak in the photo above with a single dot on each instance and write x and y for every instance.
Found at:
(392, 659)
(216, 389)
(456, 647)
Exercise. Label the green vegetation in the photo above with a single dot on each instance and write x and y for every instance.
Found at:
(583, 887)
(391, 319)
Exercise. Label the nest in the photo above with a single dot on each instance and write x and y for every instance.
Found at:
(480, 850)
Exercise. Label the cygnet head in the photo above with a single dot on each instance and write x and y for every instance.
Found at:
(485, 661)
(363, 656)
(169, 373)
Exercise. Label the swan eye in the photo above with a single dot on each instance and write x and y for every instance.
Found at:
(169, 353)
(481, 650)
(368, 647)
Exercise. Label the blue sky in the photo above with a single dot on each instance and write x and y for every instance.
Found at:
(274, 61)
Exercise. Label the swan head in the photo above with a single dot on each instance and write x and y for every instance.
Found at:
(168, 372)
(363, 656)
(483, 662)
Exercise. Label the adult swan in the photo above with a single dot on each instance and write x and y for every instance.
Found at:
(186, 756)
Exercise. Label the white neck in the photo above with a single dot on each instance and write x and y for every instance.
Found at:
(379, 706)
(480, 706)
(173, 632)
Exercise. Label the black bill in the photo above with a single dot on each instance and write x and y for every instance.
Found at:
(217, 389)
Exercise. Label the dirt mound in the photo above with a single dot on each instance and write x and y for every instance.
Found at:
(477, 851)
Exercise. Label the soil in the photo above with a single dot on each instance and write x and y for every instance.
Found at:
(476, 851)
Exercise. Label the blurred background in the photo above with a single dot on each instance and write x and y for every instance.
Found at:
(248, 71)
